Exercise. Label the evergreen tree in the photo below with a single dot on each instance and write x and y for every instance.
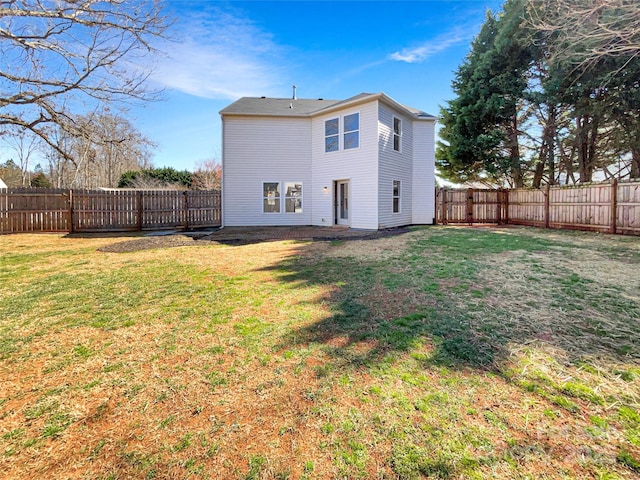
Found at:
(40, 180)
(156, 178)
(481, 125)
(534, 104)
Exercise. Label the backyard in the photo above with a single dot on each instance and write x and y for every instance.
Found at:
(440, 352)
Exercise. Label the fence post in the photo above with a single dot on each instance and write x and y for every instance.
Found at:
(139, 205)
(186, 209)
(505, 199)
(443, 204)
(547, 204)
(614, 206)
(71, 225)
(470, 206)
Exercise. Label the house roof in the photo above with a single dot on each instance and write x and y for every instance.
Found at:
(281, 107)
(288, 107)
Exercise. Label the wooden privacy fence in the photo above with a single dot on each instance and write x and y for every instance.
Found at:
(61, 210)
(605, 207)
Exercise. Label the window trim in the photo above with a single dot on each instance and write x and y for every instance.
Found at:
(398, 134)
(340, 144)
(301, 197)
(394, 197)
(281, 200)
(337, 135)
(345, 132)
(278, 199)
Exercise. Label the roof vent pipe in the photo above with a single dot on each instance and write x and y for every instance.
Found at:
(294, 92)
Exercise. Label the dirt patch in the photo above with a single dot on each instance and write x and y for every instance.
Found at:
(247, 236)
(149, 243)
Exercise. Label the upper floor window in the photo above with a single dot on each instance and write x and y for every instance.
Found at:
(332, 135)
(397, 133)
(351, 131)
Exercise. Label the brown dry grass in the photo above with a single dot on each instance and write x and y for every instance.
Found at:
(303, 360)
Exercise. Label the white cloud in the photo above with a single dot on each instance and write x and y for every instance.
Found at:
(220, 56)
(429, 48)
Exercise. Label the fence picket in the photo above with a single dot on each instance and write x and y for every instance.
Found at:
(61, 210)
(605, 207)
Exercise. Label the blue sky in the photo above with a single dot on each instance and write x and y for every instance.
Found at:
(334, 50)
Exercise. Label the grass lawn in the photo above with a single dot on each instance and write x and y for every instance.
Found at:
(440, 353)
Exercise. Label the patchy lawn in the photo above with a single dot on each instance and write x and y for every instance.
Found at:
(438, 353)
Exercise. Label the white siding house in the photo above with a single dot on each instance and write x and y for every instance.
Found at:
(366, 162)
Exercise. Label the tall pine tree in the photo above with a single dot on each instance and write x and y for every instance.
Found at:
(481, 125)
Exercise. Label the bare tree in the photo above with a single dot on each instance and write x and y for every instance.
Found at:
(586, 31)
(108, 147)
(208, 175)
(25, 144)
(144, 182)
(59, 56)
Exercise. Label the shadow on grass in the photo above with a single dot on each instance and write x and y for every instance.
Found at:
(432, 293)
(355, 335)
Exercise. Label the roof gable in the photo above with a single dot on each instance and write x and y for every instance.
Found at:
(289, 107)
(280, 107)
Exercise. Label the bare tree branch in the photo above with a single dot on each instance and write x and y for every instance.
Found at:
(586, 31)
(61, 58)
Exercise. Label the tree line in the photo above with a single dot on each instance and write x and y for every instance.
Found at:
(67, 83)
(208, 176)
(548, 94)
(70, 72)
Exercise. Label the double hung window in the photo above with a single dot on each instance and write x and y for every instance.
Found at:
(272, 197)
(293, 197)
(350, 133)
(396, 196)
(397, 134)
(332, 135)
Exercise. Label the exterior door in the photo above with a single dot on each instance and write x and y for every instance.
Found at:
(342, 203)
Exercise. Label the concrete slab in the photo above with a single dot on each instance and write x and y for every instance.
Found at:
(162, 233)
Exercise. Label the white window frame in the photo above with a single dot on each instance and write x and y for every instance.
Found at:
(286, 197)
(397, 135)
(277, 200)
(350, 132)
(397, 197)
(337, 135)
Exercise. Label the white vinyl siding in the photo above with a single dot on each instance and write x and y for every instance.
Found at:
(358, 165)
(396, 166)
(291, 152)
(264, 149)
(423, 208)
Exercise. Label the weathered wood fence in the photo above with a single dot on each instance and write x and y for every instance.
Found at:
(605, 207)
(61, 210)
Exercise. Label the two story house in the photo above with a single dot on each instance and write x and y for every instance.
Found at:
(366, 162)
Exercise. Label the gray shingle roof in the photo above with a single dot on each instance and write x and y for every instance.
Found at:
(288, 107)
(277, 106)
